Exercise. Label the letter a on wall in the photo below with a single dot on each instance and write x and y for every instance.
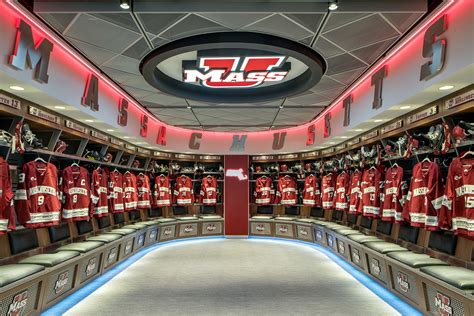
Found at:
(161, 138)
(91, 94)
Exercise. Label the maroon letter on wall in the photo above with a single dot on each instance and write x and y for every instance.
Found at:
(26, 53)
(144, 126)
(123, 112)
(193, 141)
(161, 138)
(91, 94)
(311, 135)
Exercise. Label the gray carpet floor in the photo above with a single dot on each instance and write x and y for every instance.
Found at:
(233, 277)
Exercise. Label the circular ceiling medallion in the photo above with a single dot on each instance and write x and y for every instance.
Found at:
(233, 67)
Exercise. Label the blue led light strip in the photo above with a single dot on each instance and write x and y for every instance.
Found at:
(70, 301)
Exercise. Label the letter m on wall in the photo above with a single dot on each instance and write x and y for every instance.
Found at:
(26, 53)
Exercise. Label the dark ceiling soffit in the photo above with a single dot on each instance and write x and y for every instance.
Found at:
(234, 126)
(231, 107)
(300, 6)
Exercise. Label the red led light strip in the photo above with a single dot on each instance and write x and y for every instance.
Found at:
(320, 116)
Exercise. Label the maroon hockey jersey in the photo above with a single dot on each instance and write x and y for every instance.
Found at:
(264, 193)
(209, 190)
(144, 192)
(425, 196)
(116, 192)
(99, 193)
(457, 210)
(355, 193)
(341, 195)
(370, 188)
(7, 216)
(311, 191)
(37, 196)
(130, 194)
(287, 193)
(328, 184)
(76, 194)
(394, 194)
(162, 195)
(183, 191)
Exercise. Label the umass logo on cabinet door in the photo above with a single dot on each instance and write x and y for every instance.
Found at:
(17, 306)
(235, 71)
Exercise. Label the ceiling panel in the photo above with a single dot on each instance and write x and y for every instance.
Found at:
(235, 21)
(92, 30)
(281, 26)
(192, 25)
(366, 31)
(402, 21)
(59, 21)
(155, 24)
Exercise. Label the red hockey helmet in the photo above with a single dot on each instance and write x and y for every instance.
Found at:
(459, 133)
(283, 168)
(258, 169)
(307, 166)
(136, 163)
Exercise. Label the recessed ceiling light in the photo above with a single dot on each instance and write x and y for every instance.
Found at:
(110, 130)
(89, 121)
(126, 137)
(405, 107)
(448, 87)
(17, 88)
(333, 5)
(188, 107)
(358, 130)
(60, 107)
(125, 4)
(343, 137)
(331, 143)
(378, 121)
(281, 106)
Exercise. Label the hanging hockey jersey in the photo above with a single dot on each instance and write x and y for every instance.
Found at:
(130, 194)
(425, 196)
(457, 210)
(7, 215)
(183, 191)
(370, 188)
(144, 192)
(342, 194)
(37, 196)
(328, 184)
(311, 192)
(76, 194)
(209, 190)
(162, 195)
(394, 194)
(287, 193)
(116, 192)
(99, 193)
(264, 192)
(355, 193)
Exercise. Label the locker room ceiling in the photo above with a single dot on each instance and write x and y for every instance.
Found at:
(350, 39)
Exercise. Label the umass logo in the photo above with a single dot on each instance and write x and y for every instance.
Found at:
(235, 72)
(17, 306)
